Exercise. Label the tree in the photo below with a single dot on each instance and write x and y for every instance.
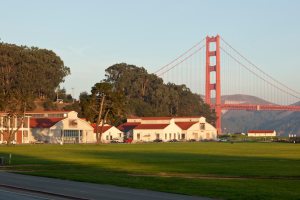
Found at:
(26, 73)
(105, 104)
(62, 94)
(147, 95)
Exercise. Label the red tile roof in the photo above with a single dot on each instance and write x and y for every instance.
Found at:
(104, 128)
(185, 125)
(43, 122)
(151, 126)
(128, 126)
(47, 111)
(261, 131)
(162, 118)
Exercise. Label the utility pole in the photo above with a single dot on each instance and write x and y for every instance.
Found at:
(73, 98)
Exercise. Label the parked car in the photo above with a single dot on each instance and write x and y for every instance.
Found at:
(128, 140)
(157, 140)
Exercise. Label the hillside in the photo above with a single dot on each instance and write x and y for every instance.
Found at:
(243, 99)
(284, 122)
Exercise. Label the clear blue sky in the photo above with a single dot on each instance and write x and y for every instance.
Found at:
(92, 35)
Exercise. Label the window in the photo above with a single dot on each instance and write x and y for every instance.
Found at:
(25, 124)
(207, 136)
(73, 123)
(166, 136)
(71, 136)
(157, 135)
(107, 137)
(120, 134)
(174, 135)
(138, 136)
(195, 136)
(183, 136)
(19, 122)
(202, 126)
(25, 133)
(37, 115)
(170, 136)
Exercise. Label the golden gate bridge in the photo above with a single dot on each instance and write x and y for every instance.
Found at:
(213, 68)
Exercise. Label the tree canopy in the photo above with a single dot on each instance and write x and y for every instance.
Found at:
(145, 94)
(27, 73)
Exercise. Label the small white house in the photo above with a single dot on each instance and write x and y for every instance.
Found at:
(149, 132)
(109, 133)
(261, 133)
(199, 130)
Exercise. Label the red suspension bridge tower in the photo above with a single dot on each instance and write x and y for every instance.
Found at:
(239, 76)
(213, 77)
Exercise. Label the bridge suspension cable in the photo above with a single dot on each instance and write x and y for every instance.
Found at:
(180, 56)
(260, 70)
(257, 75)
(181, 61)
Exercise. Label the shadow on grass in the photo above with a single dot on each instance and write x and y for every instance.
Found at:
(116, 168)
(201, 164)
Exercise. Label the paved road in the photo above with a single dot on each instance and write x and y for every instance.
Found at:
(79, 190)
(15, 195)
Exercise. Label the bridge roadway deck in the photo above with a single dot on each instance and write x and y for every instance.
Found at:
(38, 187)
(259, 107)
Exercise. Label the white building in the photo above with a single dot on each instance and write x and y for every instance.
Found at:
(109, 133)
(144, 129)
(66, 128)
(56, 127)
(12, 128)
(261, 133)
(165, 131)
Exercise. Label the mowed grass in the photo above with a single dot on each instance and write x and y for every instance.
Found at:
(217, 170)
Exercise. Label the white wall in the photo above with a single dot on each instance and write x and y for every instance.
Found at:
(148, 135)
(262, 134)
(112, 134)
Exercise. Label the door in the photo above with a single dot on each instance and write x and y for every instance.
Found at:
(19, 137)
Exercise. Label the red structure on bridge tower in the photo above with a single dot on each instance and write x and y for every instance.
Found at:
(213, 77)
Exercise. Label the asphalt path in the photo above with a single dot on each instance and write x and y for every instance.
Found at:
(13, 186)
(15, 195)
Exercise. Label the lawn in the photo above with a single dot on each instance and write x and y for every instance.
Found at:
(218, 170)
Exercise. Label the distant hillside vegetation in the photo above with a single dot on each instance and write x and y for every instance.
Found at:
(284, 122)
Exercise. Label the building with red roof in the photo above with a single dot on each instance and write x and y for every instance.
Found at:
(261, 133)
(13, 124)
(143, 129)
(109, 133)
(58, 127)
(65, 128)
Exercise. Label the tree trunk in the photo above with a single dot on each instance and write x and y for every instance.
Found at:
(104, 120)
(99, 120)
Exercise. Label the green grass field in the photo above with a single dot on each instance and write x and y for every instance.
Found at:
(218, 170)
